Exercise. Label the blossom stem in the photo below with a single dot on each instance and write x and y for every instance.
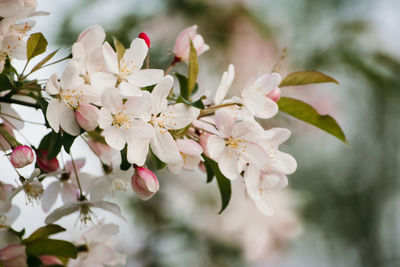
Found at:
(18, 119)
(19, 102)
(44, 66)
(76, 176)
(210, 110)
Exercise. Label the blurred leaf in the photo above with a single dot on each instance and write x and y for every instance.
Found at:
(153, 162)
(44, 232)
(306, 77)
(193, 71)
(125, 165)
(36, 45)
(67, 141)
(197, 104)
(119, 47)
(52, 143)
(10, 139)
(43, 61)
(20, 234)
(52, 247)
(210, 173)
(224, 184)
(183, 84)
(308, 114)
(5, 83)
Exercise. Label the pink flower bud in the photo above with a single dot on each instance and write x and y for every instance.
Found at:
(3, 142)
(21, 156)
(46, 165)
(182, 44)
(87, 116)
(13, 255)
(275, 94)
(146, 38)
(144, 183)
(48, 260)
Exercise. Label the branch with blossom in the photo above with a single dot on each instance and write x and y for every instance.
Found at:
(130, 115)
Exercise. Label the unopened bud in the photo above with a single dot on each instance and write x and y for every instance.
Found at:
(145, 37)
(49, 260)
(144, 183)
(182, 44)
(87, 116)
(21, 156)
(275, 94)
(46, 165)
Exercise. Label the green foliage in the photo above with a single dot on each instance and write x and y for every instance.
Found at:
(197, 104)
(36, 45)
(193, 71)
(43, 61)
(153, 162)
(53, 247)
(184, 97)
(224, 184)
(125, 165)
(10, 139)
(306, 77)
(119, 48)
(67, 141)
(44, 232)
(308, 114)
(52, 143)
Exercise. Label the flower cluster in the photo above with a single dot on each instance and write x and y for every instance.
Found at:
(130, 116)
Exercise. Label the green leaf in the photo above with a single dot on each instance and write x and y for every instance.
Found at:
(10, 139)
(308, 114)
(210, 173)
(197, 104)
(193, 71)
(53, 247)
(224, 184)
(52, 143)
(44, 232)
(20, 234)
(306, 77)
(67, 141)
(153, 162)
(5, 83)
(119, 47)
(125, 165)
(36, 45)
(183, 85)
(43, 61)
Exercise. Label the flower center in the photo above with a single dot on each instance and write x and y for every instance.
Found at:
(123, 119)
(72, 96)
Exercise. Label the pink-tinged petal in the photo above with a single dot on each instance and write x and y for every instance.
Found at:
(62, 211)
(139, 105)
(115, 137)
(102, 80)
(224, 122)
(135, 55)
(248, 130)
(137, 151)
(112, 100)
(92, 38)
(13, 256)
(128, 89)
(253, 153)
(224, 84)
(95, 61)
(276, 136)
(228, 165)
(52, 86)
(79, 163)
(49, 260)
(252, 181)
(69, 192)
(164, 147)
(87, 116)
(198, 43)
(261, 106)
(160, 93)
(182, 42)
(215, 146)
(110, 207)
(179, 116)
(105, 118)
(49, 196)
(100, 187)
(79, 53)
(7, 111)
(147, 77)
(110, 59)
(189, 147)
(140, 130)
(53, 114)
(275, 94)
(67, 120)
(284, 163)
(21, 156)
(144, 183)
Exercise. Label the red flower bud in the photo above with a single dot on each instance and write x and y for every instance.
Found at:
(146, 38)
(46, 165)
(275, 94)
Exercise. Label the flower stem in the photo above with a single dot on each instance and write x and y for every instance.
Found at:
(76, 176)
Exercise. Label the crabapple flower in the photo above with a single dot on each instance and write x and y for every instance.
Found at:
(123, 123)
(145, 37)
(166, 117)
(275, 94)
(107, 154)
(8, 212)
(255, 95)
(21, 156)
(235, 145)
(224, 84)
(13, 256)
(144, 183)
(100, 242)
(45, 164)
(182, 44)
(33, 191)
(127, 74)
(191, 153)
(87, 116)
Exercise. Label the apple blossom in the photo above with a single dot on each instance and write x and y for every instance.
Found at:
(33, 191)
(21, 156)
(224, 85)
(107, 154)
(182, 43)
(144, 183)
(87, 116)
(275, 94)
(235, 145)
(191, 153)
(126, 123)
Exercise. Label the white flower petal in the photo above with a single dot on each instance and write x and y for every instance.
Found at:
(100, 187)
(147, 77)
(53, 114)
(62, 211)
(110, 59)
(178, 116)
(115, 137)
(135, 55)
(128, 89)
(69, 192)
(137, 151)
(224, 122)
(252, 181)
(105, 118)
(215, 146)
(160, 93)
(228, 165)
(164, 147)
(225, 84)
(52, 86)
(189, 147)
(110, 207)
(67, 120)
(111, 99)
(139, 105)
(49, 196)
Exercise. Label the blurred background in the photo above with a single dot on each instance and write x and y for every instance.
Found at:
(341, 207)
